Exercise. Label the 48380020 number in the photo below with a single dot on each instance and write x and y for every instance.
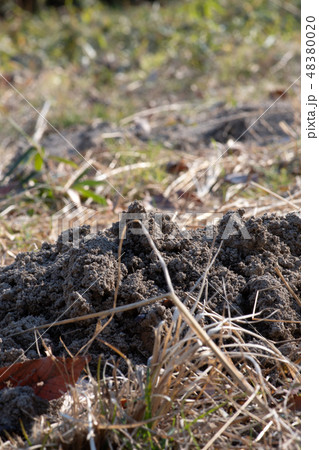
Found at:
(310, 46)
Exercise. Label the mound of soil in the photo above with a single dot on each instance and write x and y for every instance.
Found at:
(78, 274)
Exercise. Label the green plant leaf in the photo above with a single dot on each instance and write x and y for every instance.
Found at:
(38, 162)
(89, 183)
(87, 193)
(21, 160)
(64, 160)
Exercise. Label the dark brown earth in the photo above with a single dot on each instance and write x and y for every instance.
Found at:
(72, 278)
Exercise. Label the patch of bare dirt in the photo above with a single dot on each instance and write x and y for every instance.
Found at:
(262, 124)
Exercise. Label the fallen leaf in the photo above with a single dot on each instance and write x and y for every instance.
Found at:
(189, 196)
(49, 377)
(277, 93)
(294, 402)
(177, 166)
(123, 402)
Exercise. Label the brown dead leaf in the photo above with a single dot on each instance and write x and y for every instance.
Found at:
(189, 196)
(276, 93)
(177, 166)
(49, 377)
(295, 402)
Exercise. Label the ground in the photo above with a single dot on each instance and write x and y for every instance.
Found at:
(186, 116)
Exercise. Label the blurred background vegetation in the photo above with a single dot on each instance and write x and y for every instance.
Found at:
(36, 5)
(180, 49)
(105, 61)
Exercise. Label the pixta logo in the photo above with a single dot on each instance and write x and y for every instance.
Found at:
(69, 219)
(157, 224)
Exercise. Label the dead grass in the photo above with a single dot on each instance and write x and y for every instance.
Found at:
(183, 398)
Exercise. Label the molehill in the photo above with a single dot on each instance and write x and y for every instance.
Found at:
(73, 277)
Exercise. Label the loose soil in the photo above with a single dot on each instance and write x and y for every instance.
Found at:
(77, 275)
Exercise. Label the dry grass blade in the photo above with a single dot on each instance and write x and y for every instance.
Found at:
(259, 186)
(128, 168)
(155, 110)
(41, 124)
(295, 296)
(84, 166)
(232, 419)
(100, 315)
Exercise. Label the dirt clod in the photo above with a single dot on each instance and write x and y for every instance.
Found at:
(20, 403)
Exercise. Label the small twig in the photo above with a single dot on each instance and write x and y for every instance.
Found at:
(156, 110)
(267, 319)
(277, 320)
(42, 123)
(100, 314)
(265, 429)
(90, 435)
(129, 168)
(84, 166)
(263, 188)
(112, 135)
(295, 296)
